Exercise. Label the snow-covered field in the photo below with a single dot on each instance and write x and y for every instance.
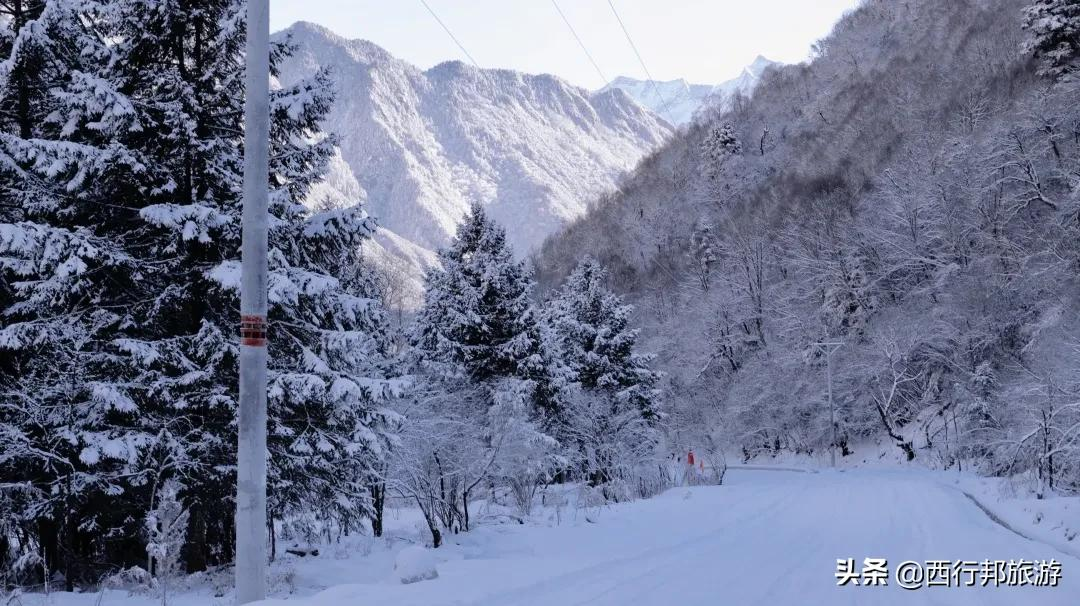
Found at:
(765, 537)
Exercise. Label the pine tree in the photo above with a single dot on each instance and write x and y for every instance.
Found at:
(125, 278)
(27, 72)
(719, 145)
(608, 391)
(594, 340)
(477, 343)
(61, 274)
(477, 319)
(1054, 29)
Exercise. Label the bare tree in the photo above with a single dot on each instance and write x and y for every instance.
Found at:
(890, 393)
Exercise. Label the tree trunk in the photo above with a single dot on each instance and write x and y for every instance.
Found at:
(906, 446)
(465, 511)
(378, 501)
(273, 535)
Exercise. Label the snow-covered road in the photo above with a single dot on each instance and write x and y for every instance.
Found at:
(765, 537)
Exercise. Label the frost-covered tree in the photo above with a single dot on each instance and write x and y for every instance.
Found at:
(591, 327)
(1053, 28)
(125, 274)
(609, 388)
(166, 530)
(476, 415)
(478, 319)
(460, 439)
(913, 188)
(27, 74)
(720, 144)
(703, 252)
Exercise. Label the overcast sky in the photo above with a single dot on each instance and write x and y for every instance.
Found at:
(703, 41)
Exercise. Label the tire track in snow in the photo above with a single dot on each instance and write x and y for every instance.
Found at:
(985, 509)
(626, 574)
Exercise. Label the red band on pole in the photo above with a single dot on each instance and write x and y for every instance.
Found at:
(253, 331)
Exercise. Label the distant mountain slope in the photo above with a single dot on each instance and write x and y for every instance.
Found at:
(677, 100)
(422, 145)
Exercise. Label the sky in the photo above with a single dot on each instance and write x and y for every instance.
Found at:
(702, 41)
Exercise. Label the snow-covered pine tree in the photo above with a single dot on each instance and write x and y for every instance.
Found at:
(478, 319)
(610, 393)
(16, 116)
(125, 273)
(477, 345)
(591, 326)
(720, 144)
(1054, 35)
(26, 72)
(375, 360)
(55, 403)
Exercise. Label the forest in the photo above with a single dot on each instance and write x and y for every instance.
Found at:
(120, 159)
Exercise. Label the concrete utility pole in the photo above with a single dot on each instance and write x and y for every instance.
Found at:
(251, 557)
(827, 348)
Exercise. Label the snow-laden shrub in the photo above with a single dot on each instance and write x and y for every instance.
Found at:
(652, 478)
(715, 467)
(166, 527)
(414, 564)
(283, 580)
(527, 457)
(304, 527)
(135, 580)
(556, 499)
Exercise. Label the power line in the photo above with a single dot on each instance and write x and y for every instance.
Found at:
(622, 25)
(629, 39)
(449, 33)
(580, 43)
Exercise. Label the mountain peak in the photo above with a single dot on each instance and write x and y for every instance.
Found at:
(760, 64)
(311, 35)
(762, 61)
(677, 100)
(305, 30)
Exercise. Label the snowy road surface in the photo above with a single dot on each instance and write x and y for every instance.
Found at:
(765, 537)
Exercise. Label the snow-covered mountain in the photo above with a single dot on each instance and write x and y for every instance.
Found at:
(677, 100)
(422, 145)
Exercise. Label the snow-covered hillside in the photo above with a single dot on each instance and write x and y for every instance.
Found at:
(422, 145)
(677, 100)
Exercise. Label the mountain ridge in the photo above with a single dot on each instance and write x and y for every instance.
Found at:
(677, 101)
(423, 145)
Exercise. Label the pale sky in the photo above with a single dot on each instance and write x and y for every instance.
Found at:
(703, 41)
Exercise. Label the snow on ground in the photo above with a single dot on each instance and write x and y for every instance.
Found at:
(1054, 520)
(765, 537)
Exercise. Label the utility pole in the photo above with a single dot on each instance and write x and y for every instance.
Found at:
(251, 560)
(827, 348)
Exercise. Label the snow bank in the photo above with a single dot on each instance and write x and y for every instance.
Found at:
(414, 564)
